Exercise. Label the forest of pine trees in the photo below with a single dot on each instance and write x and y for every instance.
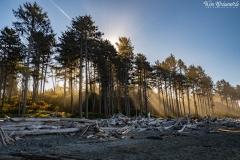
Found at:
(106, 79)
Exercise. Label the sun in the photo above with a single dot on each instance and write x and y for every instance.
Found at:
(112, 39)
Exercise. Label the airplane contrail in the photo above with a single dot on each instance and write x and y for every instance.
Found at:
(61, 10)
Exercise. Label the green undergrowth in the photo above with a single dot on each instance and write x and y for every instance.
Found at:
(41, 109)
(52, 114)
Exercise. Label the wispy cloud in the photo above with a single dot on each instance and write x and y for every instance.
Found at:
(61, 10)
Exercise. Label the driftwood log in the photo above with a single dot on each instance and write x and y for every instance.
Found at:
(34, 119)
(44, 131)
(5, 139)
(109, 129)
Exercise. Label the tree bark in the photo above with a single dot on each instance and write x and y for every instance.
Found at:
(26, 76)
(195, 104)
(80, 81)
(86, 76)
(187, 89)
(10, 91)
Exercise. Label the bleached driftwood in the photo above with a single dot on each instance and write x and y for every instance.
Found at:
(228, 130)
(78, 120)
(191, 126)
(181, 130)
(86, 128)
(61, 123)
(125, 129)
(107, 128)
(20, 124)
(5, 139)
(34, 119)
(178, 121)
(43, 127)
(44, 131)
(15, 128)
(168, 127)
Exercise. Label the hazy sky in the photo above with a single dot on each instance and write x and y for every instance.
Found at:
(209, 37)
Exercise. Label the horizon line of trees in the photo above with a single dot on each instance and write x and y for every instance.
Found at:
(112, 80)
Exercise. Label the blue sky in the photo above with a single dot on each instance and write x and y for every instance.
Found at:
(209, 37)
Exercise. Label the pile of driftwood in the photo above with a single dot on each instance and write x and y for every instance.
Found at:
(12, 129)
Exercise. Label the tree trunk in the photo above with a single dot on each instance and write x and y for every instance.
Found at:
(105, 99)
(195, 104)
(64, 88)
(80, 82)
(212, 102)
(71, 90)
(54, 82)
(140, 94)
(94, 91)
(200, 103)
(145, 93)
(26, 76)
(86, 76)
(41, 83)
(167, 105)
(10, 92)
(100, 98)
(183, 105)
(4, 89)
(227, 102)
(1, 81)
(171, 99)
(19, 102)
(163, 100)
(117, 96)
(44, 81)
(112, 91)
(205, 103)
(90, 83)
(125, 94)
(176, 95)
(128, 102)
(188, 100)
